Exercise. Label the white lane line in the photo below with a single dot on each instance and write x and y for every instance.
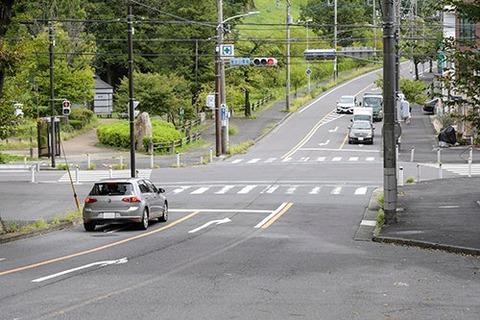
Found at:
(254, 160)
(100, 263)
(272, 214)
(370, 159)
(304, 159)
(321, 159)
(337, 159)
(237, 160)
(291, 190)
(181, 189)
(287, 159)
(269, 160)
(270, 189)
(353, 159)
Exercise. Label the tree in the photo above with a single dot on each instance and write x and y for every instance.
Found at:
(158, 94)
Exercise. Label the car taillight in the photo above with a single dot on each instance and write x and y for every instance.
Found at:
(131, 199)
(90, 200)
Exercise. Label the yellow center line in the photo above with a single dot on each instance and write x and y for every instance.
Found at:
(343, 142)
(39, 264)
(278, 215)
(306, 137)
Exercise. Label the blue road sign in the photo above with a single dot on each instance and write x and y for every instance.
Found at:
(239, 61)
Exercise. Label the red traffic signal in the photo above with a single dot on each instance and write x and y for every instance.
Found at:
(265, 62)
(66, 107)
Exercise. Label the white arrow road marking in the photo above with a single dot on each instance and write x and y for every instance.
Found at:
(225, 220)
(333, 130)
(324, 143)
(100, 263)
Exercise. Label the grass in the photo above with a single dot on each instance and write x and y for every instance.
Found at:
(381, 212)
(12, 227)
(240, 148)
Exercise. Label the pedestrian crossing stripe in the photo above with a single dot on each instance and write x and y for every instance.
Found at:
(270, 189)
(95, 175)
(303, 160)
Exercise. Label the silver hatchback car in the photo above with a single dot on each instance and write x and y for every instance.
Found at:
(124, 200)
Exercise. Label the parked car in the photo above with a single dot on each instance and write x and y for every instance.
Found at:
(431, 105)
(346, 104)
(124, 200)
(361, 132)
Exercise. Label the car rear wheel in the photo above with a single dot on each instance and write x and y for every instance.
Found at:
(89, 226)
(144, 223)
(164, 216)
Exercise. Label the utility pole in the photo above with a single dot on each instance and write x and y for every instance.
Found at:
(53, 149)
(218, 80)
(389, 143)
(335, 63)
(287, 86)
(131, 114)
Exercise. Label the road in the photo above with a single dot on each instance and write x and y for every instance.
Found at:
(264, 235)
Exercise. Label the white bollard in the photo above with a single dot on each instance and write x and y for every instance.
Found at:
(89, 165)
(471, 154)
(201, 159)
(440, 171)
(32, 174)
(412, 154)
(110, 172)
(439, 151)
(121, 162)
(400, 176)
(211, 154)
(178, 159)
(396, 152)
(418, 172)
(151, 161)
(469, 167)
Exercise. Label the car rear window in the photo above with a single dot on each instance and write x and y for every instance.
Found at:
(111, 189)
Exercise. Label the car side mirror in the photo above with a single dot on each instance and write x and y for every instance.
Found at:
(161, 190)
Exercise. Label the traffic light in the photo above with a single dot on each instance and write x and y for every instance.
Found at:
(265, 62)
(66, 107)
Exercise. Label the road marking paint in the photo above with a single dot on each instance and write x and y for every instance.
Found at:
(291, 190)
(100, 263)
(181, 189)
(315, 190)
(270, 189)
(334, 130)
(225, 189)
(304, 159)
(237, 160)
(271, 218)
(370, 159)
(324, 143)
(448, 207)
(361, 191)
(337, 159)
(113, 244)
(270, 160)
(225, 220)
(254, 160)
(321, 159)
(353, 159)
(200, 190)
(336, 190)
(246, 189)
(286, 159)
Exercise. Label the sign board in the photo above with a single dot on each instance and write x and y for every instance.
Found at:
(227, 51)
(224, 112)
(211, 100)
(240, 61)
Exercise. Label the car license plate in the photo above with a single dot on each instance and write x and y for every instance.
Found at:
(360, 139)
(109, 215)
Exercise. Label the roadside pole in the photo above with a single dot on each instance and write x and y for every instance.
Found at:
(389, 143)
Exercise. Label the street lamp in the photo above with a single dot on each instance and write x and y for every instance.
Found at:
(221, 130)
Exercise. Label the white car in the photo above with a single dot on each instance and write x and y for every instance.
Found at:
(346, 104)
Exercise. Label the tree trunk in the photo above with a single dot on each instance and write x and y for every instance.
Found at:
(248, 110)
(5, 19)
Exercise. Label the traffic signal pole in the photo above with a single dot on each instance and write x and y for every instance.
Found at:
(389, 141)
(131, 114)
(218, 80)
(52, 94)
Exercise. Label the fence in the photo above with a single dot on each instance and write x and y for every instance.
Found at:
(262, 101)
(172, 145)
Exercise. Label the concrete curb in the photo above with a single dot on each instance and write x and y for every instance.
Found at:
(9, 237)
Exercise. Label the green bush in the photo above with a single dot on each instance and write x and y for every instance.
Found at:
(118, 134)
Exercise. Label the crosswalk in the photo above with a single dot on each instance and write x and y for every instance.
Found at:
(272, 160)
(270, 189)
